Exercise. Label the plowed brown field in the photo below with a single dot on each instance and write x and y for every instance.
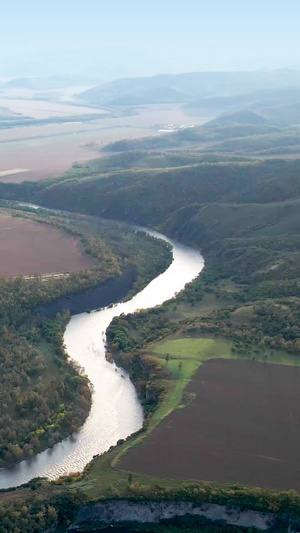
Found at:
(242, 426)
(27, 247)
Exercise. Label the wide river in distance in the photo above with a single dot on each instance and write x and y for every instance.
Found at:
(116, 411)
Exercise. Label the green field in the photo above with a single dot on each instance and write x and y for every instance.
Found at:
(180, 359)
(198, 350)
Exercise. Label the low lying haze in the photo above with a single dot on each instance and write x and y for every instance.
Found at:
(133, 38)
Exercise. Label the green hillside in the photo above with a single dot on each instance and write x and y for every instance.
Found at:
(150, 196)
(193, 137)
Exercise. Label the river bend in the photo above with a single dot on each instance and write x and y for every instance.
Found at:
(116, 411)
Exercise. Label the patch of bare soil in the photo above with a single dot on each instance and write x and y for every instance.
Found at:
(242, 427)
(28, 247)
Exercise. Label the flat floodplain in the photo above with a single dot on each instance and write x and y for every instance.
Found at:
(28, 248)
(51, 149)
(241, 424)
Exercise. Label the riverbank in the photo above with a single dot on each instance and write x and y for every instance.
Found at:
(111, 291)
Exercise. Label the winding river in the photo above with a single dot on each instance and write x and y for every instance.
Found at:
(116, 412)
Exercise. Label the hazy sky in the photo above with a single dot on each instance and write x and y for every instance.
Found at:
(152, 35)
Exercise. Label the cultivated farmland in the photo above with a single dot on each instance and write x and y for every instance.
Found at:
(28, 248)
(241, 424)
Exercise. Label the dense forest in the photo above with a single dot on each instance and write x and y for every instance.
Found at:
(34, 513)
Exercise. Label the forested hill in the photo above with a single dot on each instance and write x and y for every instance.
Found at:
(151, 196)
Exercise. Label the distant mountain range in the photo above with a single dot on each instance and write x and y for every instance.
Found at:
(200, 90)
(271, 98)
(41, 83)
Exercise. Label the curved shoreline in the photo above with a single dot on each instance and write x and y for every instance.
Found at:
(116, 412)
(109, 292)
